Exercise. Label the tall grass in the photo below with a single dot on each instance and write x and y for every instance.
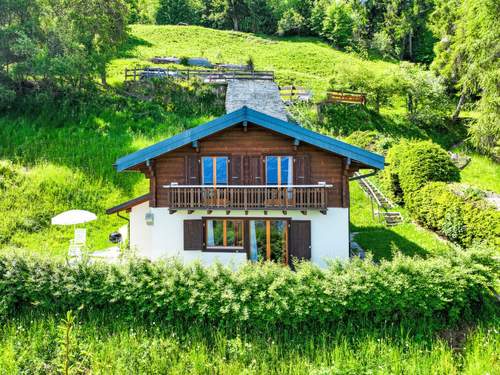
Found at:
(30, 344)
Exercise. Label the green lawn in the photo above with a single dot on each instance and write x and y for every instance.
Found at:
(482, 172)
(383, 241)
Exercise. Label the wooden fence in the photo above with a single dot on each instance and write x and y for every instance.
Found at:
(208, 76)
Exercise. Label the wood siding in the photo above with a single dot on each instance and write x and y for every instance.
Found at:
(247, 151)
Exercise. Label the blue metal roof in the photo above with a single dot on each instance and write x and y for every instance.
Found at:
(324, 142)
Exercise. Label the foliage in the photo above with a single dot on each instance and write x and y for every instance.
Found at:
(467, 56)
(173, 12)
(48, 46)
(414, 164)
(463, 221)
(427, 102)
(184, 98)
(291, 23)
(380, 85)
(371, 140)
(338, 24)
(444, 289)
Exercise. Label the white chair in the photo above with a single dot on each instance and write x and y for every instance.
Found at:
(77, 243)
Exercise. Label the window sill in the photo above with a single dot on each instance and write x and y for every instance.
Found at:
(224, 250)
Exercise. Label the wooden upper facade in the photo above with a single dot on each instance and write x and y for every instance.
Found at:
(245, 166)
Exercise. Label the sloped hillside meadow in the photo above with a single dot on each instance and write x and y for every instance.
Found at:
(58, 158)
(307, 62)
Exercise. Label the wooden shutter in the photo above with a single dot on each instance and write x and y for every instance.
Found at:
(301, 170)
(300, 240)
(253, 171)
(236, 165)
(193, 234)
(192, 170)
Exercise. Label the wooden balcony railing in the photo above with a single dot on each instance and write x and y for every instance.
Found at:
(248, 197)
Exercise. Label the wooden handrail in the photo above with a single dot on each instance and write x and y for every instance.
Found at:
(248, 197)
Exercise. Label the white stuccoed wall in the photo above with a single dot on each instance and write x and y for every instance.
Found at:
(329, 234)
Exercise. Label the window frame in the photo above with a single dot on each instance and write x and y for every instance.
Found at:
(224, 249)
(214, 169)
(278, 177)
(246, 233)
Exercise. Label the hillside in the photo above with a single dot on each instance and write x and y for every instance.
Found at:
(304, 61)
(80, 150)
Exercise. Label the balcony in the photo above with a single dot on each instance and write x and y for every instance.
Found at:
(248, 197)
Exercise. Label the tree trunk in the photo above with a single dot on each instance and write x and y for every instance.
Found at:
(410, 103)
(235, 22)
(410, 44)
(461, 101)
(104, 80)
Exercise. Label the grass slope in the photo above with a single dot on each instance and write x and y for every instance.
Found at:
(382, 241)
(305, 61)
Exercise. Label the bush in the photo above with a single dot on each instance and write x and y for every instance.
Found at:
(413, 164)
(370, 140)
(292, 22)
(443, 289)
(463, 221)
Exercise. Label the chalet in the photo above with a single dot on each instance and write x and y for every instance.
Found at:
(245, 186)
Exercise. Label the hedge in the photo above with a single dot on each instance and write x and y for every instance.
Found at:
(442, 289)
(413, 164)
(463, 221)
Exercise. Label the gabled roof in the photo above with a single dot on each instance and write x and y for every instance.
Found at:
(367, 158)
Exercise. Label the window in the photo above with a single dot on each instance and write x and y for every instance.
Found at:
(214, 170)
(268, 240)
(224, 233)
(279, 170)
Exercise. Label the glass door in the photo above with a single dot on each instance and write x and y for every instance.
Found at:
(269, 240)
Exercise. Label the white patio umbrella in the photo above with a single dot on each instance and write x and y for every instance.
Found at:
(73, 217)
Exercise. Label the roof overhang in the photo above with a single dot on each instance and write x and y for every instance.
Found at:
(126, 206)
(363, 157)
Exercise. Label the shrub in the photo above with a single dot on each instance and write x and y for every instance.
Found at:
(413, 164)
(442, 289)
(291, 22)
(370, 140)
(463, 221)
